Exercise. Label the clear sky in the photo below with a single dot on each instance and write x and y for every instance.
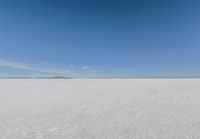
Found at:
(106, 38)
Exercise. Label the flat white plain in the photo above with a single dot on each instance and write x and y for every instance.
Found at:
(100, 109)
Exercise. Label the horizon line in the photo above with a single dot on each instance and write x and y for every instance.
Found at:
(60, 77)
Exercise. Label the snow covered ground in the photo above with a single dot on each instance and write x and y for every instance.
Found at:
(100, 109)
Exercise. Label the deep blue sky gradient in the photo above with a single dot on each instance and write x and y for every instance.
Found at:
(117, 38)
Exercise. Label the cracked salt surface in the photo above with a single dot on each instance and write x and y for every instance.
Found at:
(100, 109)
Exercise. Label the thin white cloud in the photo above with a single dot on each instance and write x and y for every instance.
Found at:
(14, 65)
(89, 69)
(85, 67)
(71, 66)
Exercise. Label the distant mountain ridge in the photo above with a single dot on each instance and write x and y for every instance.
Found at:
(53, 77)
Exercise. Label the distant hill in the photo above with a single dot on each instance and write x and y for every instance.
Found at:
(59, 77)
(54, 77)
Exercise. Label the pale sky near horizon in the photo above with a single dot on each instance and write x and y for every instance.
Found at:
(104, 38)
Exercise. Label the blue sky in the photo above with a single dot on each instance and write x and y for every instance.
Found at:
(100, 38)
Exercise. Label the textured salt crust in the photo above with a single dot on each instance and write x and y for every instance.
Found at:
(100, 109)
